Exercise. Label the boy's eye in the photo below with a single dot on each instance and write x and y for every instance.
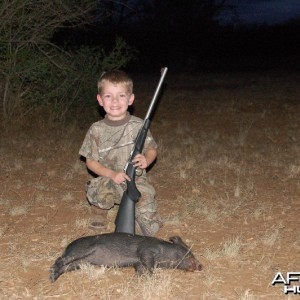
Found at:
(123, 95)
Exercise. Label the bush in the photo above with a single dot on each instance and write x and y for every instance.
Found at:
(36, 72)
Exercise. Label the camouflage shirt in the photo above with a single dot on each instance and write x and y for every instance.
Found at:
(110, 142)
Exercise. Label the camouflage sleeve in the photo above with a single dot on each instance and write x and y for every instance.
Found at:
(150, 142)
(89, 148)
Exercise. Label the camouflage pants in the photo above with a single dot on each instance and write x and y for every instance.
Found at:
(104, 193)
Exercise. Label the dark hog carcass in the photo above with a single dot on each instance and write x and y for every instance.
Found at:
(144, 253)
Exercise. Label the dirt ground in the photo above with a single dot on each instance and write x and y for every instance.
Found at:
(227, 181)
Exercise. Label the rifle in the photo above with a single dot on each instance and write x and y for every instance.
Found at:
(125, 219)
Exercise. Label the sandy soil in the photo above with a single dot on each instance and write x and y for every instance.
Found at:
(227, 181)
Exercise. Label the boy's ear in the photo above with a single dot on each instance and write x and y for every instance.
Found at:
(99, 100)
(131, 99)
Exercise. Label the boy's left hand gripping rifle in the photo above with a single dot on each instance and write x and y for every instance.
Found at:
(125, 220)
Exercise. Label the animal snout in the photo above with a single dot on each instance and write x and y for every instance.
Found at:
(194, 265)
(199, 267)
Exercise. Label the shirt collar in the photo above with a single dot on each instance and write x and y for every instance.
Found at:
(121, 122)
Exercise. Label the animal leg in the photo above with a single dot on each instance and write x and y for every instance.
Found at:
(54, 274)
(67, 264)
(147, 261)
(139, 268)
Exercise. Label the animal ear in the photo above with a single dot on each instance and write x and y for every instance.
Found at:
(177, 240)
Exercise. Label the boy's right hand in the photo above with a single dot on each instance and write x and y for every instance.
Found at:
(120, 177)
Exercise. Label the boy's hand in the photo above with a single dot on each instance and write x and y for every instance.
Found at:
(120, 177)
(140, 161)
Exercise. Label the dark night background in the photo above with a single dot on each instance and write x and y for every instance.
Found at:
(193, 36)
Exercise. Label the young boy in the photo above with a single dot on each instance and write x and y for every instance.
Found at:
(107, 146)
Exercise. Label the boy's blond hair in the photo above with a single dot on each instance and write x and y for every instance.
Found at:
(116, 77)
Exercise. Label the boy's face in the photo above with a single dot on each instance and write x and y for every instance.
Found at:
(115, 100)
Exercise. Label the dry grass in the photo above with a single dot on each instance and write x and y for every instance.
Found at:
(93, 273)
(227, 181)
(228, 249)
(158, 286)
(82, 223)
(246, 295)
(19, 210)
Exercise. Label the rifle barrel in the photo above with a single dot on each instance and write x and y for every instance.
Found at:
(162, 77)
